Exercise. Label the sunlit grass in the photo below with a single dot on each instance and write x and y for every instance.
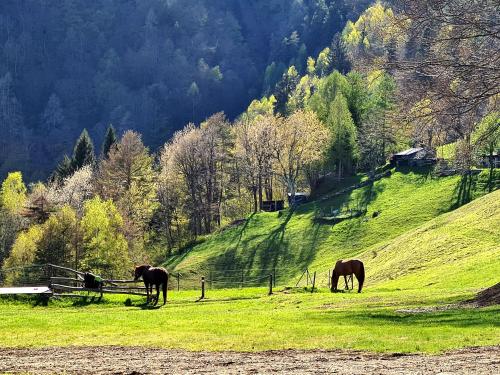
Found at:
(249, 320)
(417, 255)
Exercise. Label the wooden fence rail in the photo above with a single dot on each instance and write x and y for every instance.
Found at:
(100, 290)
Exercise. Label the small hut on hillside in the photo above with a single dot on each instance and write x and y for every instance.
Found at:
(413, 157)
(490, 161)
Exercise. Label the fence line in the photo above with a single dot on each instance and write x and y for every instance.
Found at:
(185, 279)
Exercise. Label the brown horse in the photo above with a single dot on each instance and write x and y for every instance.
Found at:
(348, 268)
(153, 276)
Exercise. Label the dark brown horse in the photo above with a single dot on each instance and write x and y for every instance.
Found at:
(348, 268)
(153, 276)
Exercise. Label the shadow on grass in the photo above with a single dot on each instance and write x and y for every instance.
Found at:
(462, 318)
(331, 184)
(463, 192)
(423, 172)
(148, 306)
(88, 300)
(268, 250)
(228, 299)
(182, 253)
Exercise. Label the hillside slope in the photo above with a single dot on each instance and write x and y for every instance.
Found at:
(457, 250)
(405, 203)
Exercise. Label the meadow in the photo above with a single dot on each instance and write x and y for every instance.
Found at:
(248, 320)
(423, 259)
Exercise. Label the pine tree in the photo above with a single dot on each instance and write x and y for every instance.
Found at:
(344, 138)
(53, 116)
(83, 153)
(63, 169)
(285, 88)
(109, 141)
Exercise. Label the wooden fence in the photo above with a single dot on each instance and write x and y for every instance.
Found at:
(68, 282)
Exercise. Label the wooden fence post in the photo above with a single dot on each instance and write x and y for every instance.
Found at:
(270, 284)
(300, 278)
(202, 288)
(178, 281)
(314, 282)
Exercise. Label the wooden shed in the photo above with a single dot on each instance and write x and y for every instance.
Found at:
(413, 157)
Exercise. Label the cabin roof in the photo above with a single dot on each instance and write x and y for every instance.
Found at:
(410, 151)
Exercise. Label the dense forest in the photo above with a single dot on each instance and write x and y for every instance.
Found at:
(151, 66)
(395, 77)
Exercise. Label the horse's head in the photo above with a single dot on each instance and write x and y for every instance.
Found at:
(139, 270)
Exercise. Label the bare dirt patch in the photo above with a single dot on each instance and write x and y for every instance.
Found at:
(133, 360)
(487, 297)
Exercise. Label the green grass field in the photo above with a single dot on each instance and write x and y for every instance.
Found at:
(419, 252)
(248, 320)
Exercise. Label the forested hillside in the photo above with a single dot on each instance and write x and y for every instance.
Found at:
(150, 65)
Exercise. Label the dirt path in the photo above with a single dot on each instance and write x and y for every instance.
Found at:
(127, 360)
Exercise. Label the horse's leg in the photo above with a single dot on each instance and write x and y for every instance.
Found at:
(165, 288)
(335, 282)
(147, 292)
(352, 282)
(346, 283)
(157, 286)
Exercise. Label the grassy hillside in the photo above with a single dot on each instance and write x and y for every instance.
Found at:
(420, 262)
(292, 241)
(457, 250)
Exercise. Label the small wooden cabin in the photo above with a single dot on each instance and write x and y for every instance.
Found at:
(493, 159)
(299, 198)
(413, 157)
(271, 206)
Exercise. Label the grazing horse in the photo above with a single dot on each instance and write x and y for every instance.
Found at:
(153, 276)
(347, 268)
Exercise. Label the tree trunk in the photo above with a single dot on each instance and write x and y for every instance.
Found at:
(260, 192)
(254, 191)
(492, 167)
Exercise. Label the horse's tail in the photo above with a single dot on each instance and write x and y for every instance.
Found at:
(361, 276)
(165, 288)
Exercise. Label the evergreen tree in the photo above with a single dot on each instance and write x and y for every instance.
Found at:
(340, 61)
(344, 147)
(109, 141)
(383, 98)
(63, 169)
(52, 116)
(285, 88)
(11, 117)
(83, 153)
(324, 63)
(357, 97)
(329, 86)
